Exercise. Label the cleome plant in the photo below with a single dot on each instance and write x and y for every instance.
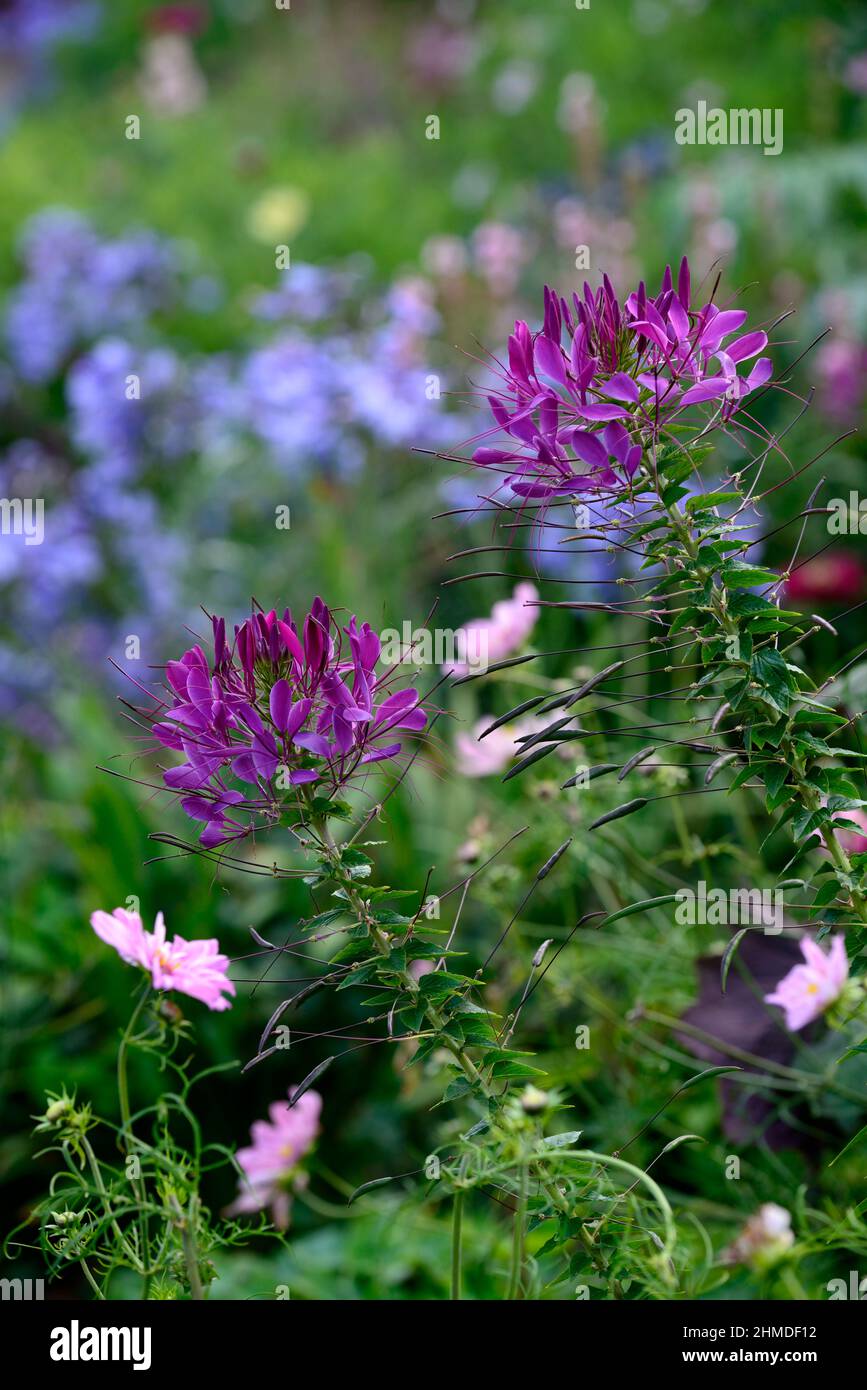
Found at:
(603, 430)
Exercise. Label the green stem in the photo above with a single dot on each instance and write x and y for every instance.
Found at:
(381, 944)
(191, 1260)
(91, 1281)
(655, 1190)
(811, 800)
(383, 947)
(457, 1224)
(126, 1135)
(806, 794)
(518, 1238)
(138, 1264)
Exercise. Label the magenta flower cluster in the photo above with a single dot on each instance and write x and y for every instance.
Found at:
(582, 396)
(276, 710)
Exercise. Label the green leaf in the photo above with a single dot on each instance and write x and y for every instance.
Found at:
(711, 499)
(737, 575)
(439, 984)
(324, 806)
(358, 864)
(562, 1141)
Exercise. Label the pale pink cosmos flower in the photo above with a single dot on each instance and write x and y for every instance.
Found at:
(764, 1239)
(123, 930)
(419, 968)
(195, 968)
(483, 641)
(855, 74)
(808, 990)
(484, 757)
(270, 1162)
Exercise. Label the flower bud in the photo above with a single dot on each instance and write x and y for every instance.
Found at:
(534, 1101)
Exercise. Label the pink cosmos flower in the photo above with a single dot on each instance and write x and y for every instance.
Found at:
(195, 968)
(271, 1161)
(764, 1239)
(483, 757)
(855, 74)
(841, 368)
(808, 990)
(486, 640)
(123, 930)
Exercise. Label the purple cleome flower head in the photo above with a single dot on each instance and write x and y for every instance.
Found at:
(584, 394)
(278, 710)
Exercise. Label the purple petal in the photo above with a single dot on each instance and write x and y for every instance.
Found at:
(489, 456)
(747, 346)
(621, 387)
(588, 448)
(649, 330)
(199, 689)
(379, 754)
(245, 767)
(297, 717)
(281, 703)
(396, 704)
(762, 372)
(602, 412)
(314, 743)
(616, 440)
(344, 736)
(176, 675)
(683, 283)
(678, 319)
(548, 358)
(706, 390)
(184, 778)
(216, 833)
(168, 736)
(303, 774)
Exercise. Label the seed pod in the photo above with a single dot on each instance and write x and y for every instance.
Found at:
(543, 736)
(549, 863)
(497, 666)
(599, 770)
(541, 953)
(641, 756)
(822, 623)
(308, 1081)
(592, 683)
(556, 703)
(720, 715)
(531, 758)
(512, 714)
(625, 810)
(717, 766)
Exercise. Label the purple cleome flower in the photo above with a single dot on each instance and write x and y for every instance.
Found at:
(585, 393)
(278, 710)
